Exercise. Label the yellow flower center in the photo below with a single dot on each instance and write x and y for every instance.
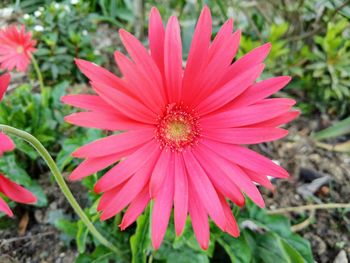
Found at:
(19, 49)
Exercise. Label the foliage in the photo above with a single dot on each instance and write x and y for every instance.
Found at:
(63, 32)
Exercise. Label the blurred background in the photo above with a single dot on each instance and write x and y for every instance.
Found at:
(310, 42)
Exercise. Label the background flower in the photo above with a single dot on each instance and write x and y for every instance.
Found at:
(8, 188)
(185, 128)
(16, 47)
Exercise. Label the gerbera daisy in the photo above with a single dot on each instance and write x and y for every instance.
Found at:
(16, 47)
(184, 128)
(8, 188)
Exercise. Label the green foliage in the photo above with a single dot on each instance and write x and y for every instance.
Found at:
(63, 32)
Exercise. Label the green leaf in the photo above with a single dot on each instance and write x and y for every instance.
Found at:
(140, 241)
(338, 129)
(81, 237)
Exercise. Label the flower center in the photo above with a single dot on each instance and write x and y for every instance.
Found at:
(19, 49)
(177, 128)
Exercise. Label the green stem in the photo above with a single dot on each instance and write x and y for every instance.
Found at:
(39, 75)
(62, 184)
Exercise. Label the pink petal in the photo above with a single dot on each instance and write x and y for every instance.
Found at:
(93, 165)
(247, 158)
(103, 120)
(98, 74)
(125, 169)
(259, 178)
(246, 115)
(161, 211)
(135, 209)
(115, 144)
(5, 208)
(204, 189)
(238, 177)
(125, 104)
(88, 102)
(160, 172)
(199, 218)
(142, 87)
(197, 56)
(180, 195)
(219, 179)
(249, 60)
(260, 90)
(130, 190)
(16, 192)
(156, 38)
(108, 196)
(279, 120)
(4, 82)
(245, 135)
(144, 62)
(231, 226)
(173, 60)
(229, 91)
(6, 144)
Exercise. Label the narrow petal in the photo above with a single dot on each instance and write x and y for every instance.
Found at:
(4, 82)
(173, 60)
(103, 120)
(88, 102)
(130, 190)
(135, 209)
(247, 158)
(16, 192)
(279, 120)
(219, 179)
(143, 61)
(198, 55)
(163, 202)
(5, 208)
(231, 226)
(180, 195)
(125, 169)
(204, 189)
(260, 90)
(249, 60)
(115, 144)
(159, 172)
(125, 104)
(142, 87)
(229, 91)
(246, 115)
(156, 36)
(199, 218)
(98, 74)
(245, 135)
(93, 165)
(238, 177)
(108, 196)
(259, 178)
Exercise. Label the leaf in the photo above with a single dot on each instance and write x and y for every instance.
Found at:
(338, 129)
(140, 241)
(238, 249)
(81, 237)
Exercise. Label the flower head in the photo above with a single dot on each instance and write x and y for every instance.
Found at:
(184, 128)
(8, 188)
(16, 47)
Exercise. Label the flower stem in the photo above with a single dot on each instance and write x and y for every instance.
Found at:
(62, 184)
(308, 207)
(39, 75)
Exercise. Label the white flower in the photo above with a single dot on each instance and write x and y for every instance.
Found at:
(85, 32)
(74, 2)
(26, 16)
(37, 13)
(38, 28)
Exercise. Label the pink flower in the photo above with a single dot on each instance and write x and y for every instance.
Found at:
(10, 189)
(16, 47)
(184, 128)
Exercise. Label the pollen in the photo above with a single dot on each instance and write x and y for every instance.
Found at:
(177, 128)
(19, 49)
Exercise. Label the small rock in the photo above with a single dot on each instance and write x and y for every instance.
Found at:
(341, 257)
